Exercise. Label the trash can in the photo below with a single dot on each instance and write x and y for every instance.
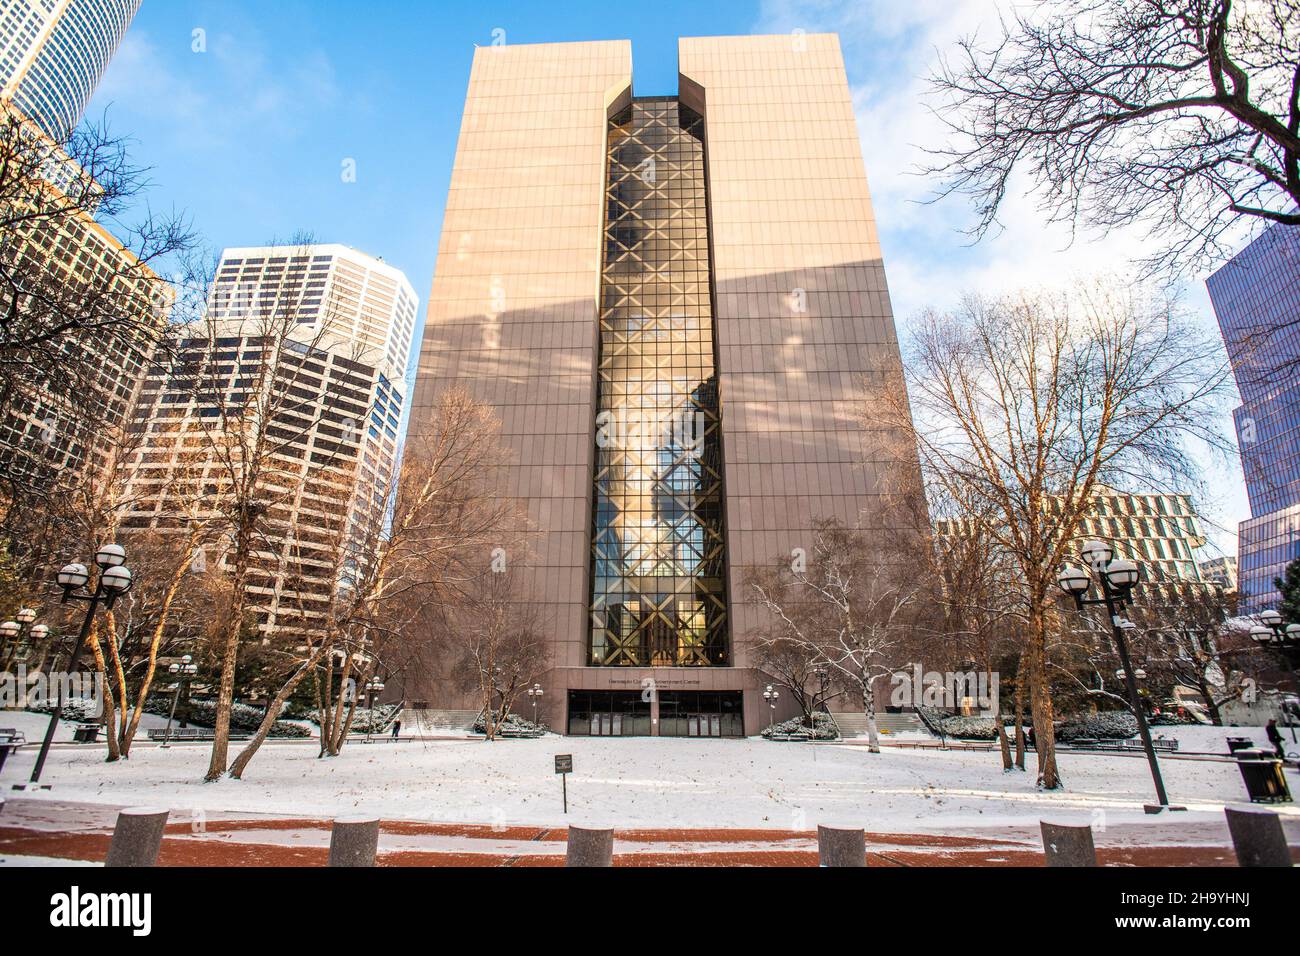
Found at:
(1265, 782)
(1239, 743)
(86, 734)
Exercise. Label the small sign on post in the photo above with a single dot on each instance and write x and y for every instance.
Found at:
(564, 767)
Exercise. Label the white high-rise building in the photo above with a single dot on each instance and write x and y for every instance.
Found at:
(53, 53)
(352, 320)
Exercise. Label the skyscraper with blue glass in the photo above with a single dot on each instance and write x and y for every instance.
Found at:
(53, 53)
(1256, 297)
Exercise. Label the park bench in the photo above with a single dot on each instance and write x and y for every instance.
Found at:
(794, 736)
(1124, 746)
(10, 740)
(519, 734)
(193, 733)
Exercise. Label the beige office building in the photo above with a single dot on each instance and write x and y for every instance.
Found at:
(63, 426)
(671, 301)
(333, 447)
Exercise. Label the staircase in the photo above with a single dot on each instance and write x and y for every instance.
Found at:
(855, 724)
(433, 722)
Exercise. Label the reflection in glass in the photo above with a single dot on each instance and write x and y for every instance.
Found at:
(658, 590)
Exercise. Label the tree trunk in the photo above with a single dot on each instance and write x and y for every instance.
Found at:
(164, 614)
(1020, 714)
(110, 705)
(1040, 704)
(1003, 744)
(347, 725)
(268, 720)
(869, 707)
(230, 655)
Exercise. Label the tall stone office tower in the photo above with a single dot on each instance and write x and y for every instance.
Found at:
(334, 444)
(671, 302)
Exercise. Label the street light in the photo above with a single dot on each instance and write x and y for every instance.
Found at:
(771, 697)
(183, 671)
(1116, 578)
(74, 579)
(12, 632)
(1283, 639)
(374, 687)
(535, 694)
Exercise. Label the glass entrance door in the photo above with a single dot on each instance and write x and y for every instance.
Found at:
(693, 713)
(604, 713)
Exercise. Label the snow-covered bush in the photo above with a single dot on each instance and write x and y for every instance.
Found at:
(962, 728)
(365, 720)
(76, 709)
(824, 728)
(513, 723)
(243, 717)
(1111, 725)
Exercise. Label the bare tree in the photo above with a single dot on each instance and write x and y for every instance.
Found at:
(982, 604)
(445, 507)
(1182, 116)
(78, 287)
(242, 403)
(848, 606)
(499, 645)
(798, 667)
(1025, 405)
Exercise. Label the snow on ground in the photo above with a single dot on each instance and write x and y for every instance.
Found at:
(33, 725)
(18, 860)
(653, 782)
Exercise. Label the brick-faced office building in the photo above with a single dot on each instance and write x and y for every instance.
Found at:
(671, 302)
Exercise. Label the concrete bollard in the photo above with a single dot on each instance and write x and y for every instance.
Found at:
(354, 841)
(137, 837)
(1068, 844)
(1257, 837)
(836, 847)
(589, 847)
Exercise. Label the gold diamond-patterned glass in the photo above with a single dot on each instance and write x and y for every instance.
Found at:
(658, 591)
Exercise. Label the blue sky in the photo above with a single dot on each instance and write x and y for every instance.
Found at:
(250, 135)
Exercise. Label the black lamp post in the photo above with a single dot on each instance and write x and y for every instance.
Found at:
(1115, 578)
(374, 687)
(771, 696)
(183, 671)
(114, 581)
(1282, 638)
(535, 694)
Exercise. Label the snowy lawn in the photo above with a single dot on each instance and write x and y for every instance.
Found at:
(33, 726)
(653, 782)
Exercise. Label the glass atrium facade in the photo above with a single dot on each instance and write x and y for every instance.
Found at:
(658, 566)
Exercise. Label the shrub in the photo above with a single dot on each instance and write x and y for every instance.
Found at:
(823, 728)
(1111, 725)
(962, 728)
(82, 710)
(243, 717)
(512, 722)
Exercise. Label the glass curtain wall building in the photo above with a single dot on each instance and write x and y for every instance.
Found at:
(672, 304)
(1256, 298)
(53, 53)
(659, 596)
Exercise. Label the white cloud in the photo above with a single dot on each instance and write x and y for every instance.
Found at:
(890, 50)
